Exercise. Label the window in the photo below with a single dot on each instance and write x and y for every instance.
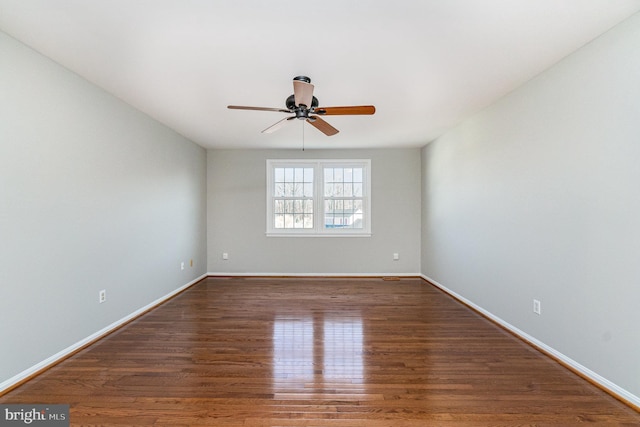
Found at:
(318, 198)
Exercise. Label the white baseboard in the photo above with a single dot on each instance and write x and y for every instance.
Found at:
(236, 274)
(612, 388)
(91, 338)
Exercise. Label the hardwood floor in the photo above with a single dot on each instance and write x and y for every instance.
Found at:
(318, 352)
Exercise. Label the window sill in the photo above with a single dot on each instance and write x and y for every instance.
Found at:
(318, 234)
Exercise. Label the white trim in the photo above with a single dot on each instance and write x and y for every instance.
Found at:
(91, 338)
(272, 274)
(586, 372)
(318, 235)
(318, 229)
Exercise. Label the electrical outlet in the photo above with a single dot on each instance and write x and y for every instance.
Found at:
(182, 265)
(536, 306)
(102, 296)
(225, 256)
(396, 256)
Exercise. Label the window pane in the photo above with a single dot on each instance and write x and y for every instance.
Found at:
(348, 190)
(328, 190)
(298, 175)
(348, 174)
(297, 213)
(346, 221)
(357, 190)
(279, 190)
(308, 206)
(288, 206)
(337, 190)
(328, 206)
(279, 174)
(308, 175)
(348, 206)
(357, 175)
(288, 221)
(298, 190)
(328, 221)
(307, 190)
(328, 174)
(357, 221)
(288, 174)
(338, 175)
(308, 221)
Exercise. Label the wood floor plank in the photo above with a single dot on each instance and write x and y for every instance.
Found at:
(318, 352)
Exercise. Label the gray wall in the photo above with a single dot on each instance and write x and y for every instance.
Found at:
(237, 217)
(538, 196)
(93, 195)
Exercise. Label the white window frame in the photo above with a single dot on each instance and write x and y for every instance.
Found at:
(319, 229)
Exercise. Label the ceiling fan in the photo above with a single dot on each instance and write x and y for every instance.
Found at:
(304, 106)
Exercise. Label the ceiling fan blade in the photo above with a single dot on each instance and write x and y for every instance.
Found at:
(303, 93)
(277, 125)
(242, 107)
(322, 126)
(345, 111)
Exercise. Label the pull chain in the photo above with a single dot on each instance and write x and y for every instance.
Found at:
(303, 135)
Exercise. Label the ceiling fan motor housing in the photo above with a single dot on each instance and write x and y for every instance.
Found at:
(291, 105)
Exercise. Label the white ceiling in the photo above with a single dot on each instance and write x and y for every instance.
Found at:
(426, 65)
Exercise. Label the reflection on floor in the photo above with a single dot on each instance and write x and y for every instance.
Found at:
(309, 353)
